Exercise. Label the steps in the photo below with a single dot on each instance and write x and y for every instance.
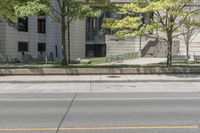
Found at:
(159, 49)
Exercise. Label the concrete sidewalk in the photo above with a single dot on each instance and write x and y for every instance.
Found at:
(139, 61)
(101, 78)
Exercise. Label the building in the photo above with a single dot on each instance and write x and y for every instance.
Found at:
(40, 36)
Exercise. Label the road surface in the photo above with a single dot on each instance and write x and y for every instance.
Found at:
(152, 112)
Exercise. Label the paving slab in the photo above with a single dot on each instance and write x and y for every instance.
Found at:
(138, 61)
(101, 78)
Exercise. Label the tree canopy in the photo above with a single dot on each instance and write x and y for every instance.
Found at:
(31, 7)
(78, 9)
(168, 16)
(7, 11)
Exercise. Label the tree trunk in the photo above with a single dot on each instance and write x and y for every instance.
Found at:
(169, 48)
(188, 37)
(63, 34)
(63, 38)
(187, 52)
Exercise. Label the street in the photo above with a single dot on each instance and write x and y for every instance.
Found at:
(133, 112)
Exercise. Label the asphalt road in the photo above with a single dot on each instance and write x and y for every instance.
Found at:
(100, 112)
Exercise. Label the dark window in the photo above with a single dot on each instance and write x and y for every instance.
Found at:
(23, 46)
(95, 50)
(94, 30)
(41, 26)
(23, 24)
(41, 47)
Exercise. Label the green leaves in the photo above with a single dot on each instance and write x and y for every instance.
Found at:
(168, 17)
(7, 11)
(77, 9)
(32, 7)
(128, 23)
(80, 11)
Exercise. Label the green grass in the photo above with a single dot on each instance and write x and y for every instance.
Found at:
(96, 61)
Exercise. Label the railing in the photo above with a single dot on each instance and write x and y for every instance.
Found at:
(197, 58)
(28, 59)
(179, 58)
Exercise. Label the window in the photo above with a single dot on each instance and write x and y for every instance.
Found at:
(95, 50)
(41, 26)
(94, 30)
(41, 47)
(23, 46)
(23, 24)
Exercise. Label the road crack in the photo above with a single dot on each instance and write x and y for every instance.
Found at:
(65, 115)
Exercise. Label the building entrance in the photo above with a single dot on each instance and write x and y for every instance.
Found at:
(95, 50)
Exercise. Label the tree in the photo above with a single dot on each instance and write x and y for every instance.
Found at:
(7, 11)
(190, 30)
(68, 11)
(168, 17)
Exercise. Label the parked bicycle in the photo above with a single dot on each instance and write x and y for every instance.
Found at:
(114, 59)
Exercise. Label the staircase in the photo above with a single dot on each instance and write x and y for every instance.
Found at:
(158, 49)
(148, 50)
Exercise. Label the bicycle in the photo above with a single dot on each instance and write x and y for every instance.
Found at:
(114, 59)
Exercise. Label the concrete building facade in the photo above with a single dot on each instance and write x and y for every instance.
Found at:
(50, 38)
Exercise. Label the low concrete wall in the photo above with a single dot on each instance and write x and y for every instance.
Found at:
(130, 45)
(98, 71)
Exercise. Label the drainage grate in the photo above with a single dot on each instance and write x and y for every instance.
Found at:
(113, 76)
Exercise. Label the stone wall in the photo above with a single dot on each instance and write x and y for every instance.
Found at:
(130, 45)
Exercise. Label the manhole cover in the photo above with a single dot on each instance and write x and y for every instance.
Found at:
(132, 86)
(114, 76)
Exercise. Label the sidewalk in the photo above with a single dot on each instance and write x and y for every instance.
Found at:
(101, 78)
(145, 61)
(139, 61)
